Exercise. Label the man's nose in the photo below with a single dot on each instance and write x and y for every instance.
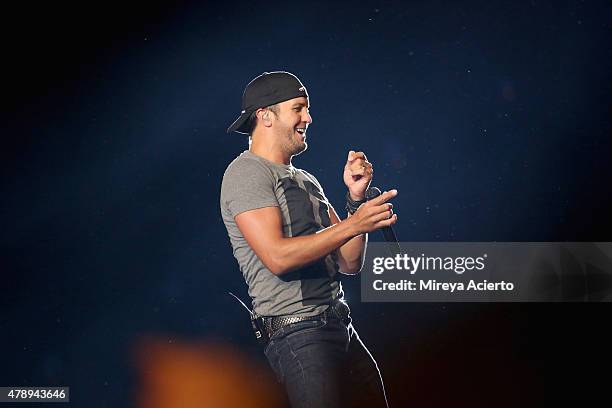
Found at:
(308, 118)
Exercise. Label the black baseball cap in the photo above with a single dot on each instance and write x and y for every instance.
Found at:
(267, 89)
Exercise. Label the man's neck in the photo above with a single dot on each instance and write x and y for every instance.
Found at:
(268, 151)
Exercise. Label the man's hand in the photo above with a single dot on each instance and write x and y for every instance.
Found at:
(357, 175)
(375, 214)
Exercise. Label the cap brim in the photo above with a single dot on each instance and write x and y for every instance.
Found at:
(240, 124)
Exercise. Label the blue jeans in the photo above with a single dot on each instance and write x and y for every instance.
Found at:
(323, 364)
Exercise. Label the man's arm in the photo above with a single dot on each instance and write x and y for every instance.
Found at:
(351, 255)
(263, 230)
(357, 175)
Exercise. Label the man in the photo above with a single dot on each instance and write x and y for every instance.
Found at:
(290, 244)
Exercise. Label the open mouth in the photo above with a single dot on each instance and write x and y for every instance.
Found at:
(301, 131)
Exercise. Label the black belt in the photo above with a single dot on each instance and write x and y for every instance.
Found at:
(337, 309)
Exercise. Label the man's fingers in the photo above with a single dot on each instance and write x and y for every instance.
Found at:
(385, 207)
(356, 155)
(362, 171)
(360, 155)
(387, 222)
(360, 166)
(385, 215)
(387, 195)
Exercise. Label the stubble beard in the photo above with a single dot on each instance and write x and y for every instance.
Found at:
(291, 146)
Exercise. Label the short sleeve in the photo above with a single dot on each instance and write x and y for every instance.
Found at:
(247, 185)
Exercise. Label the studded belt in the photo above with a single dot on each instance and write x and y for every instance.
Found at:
(338, 309)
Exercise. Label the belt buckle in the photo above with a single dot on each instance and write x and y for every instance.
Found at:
(268, 326)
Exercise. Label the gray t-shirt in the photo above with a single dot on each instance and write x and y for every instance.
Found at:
(252, 182)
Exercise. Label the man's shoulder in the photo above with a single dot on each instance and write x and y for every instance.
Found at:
(241, 160)
(245, 164)
(247, 184)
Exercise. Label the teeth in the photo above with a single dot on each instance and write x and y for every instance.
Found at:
(300, 130)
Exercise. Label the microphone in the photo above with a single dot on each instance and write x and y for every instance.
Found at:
(388, 232)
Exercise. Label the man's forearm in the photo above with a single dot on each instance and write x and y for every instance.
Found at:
(352, 254)
(291, 253)
(262, 229)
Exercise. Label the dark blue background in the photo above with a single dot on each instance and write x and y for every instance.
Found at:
(490, 118)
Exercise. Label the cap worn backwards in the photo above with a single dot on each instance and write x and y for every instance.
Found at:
(266, 89)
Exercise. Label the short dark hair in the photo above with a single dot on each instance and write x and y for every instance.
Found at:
(252, 120)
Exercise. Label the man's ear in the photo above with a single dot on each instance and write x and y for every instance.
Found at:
(265, 116)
